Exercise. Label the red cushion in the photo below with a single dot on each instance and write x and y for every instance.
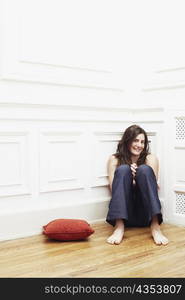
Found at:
(68, 229)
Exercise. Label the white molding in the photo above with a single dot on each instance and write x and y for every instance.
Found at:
(13, 222)
(174, 69)
(98, 179)
(22, 186)
(166, 79)
(50, 189)
(48, 184)
(179, 188)
(83, 113)
(62, 133)
(32, 80)
(21, 66)
(106, 136)
(95, 107)
(103, 175)
(164, 88)
(97, 185)
(180, 146)
(63, 179)
(80, 68)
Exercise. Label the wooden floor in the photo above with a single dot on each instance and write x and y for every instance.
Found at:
(136, 256)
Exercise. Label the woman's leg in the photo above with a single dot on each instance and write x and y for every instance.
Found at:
(119, 204)
(118, 233)
(157, 235)
(147, 184)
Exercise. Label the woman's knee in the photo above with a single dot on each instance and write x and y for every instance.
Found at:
(123, 170)
(144, 170)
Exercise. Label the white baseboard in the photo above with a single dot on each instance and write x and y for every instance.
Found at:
(22, 224)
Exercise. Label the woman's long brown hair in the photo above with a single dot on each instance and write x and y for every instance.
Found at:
(123, 154)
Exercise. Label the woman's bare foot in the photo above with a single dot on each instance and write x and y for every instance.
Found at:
(118, 233)
(157, 235)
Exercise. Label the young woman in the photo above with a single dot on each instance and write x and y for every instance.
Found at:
(133, 174)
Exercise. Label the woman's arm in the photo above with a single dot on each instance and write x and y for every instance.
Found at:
(152, 161)
(111, 167)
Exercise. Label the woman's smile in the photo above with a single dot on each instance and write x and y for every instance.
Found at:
(137, 145)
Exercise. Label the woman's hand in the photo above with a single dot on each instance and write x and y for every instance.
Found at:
(133, 169)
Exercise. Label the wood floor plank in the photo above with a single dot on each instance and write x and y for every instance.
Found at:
(136, 256)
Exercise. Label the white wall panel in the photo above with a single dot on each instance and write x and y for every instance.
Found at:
(60, 161)
(14, 161)
(105, 144)
(73, 76)
(63, 51)
(68, 29)
(171, 154)
(179, 165)
(177, 209)
(64, 165)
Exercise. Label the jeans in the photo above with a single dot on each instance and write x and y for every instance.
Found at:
(135, 204)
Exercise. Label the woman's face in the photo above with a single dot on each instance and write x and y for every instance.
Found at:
(137, 145)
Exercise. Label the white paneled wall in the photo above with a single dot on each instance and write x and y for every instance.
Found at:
(71, 80)
(171, 93)
(58, 169)
(53, 42)
(59, 97)
(176, 167)
(13, 156)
